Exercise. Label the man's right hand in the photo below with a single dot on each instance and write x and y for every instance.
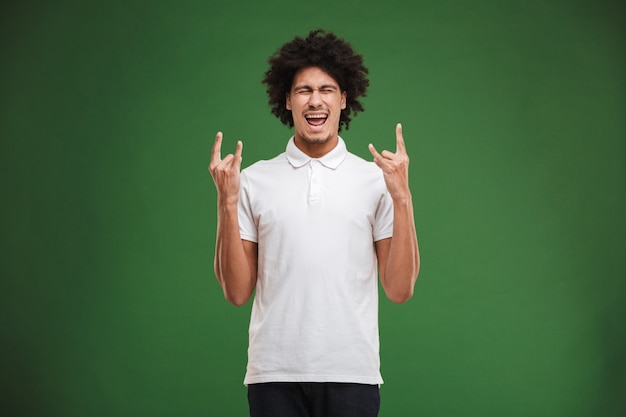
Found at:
(225, 172)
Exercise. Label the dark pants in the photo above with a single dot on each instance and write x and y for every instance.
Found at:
(293, 399)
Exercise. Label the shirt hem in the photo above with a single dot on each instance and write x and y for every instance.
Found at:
(251, 238)
(314, 378)
(383, 235)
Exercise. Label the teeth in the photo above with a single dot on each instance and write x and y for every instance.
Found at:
(316, 116)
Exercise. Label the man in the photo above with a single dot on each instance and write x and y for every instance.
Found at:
(307, 230)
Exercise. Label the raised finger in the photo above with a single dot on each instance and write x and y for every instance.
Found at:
(217, 148)
(238, 149)
(400, 146)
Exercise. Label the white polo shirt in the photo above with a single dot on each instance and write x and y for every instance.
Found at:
(315, 311)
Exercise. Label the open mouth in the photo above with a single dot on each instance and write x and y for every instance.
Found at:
(316, 119)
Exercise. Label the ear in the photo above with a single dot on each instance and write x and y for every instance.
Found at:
(343, 100)
(287, 101)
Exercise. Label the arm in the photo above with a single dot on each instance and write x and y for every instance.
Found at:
(398, 256)
(235, 259)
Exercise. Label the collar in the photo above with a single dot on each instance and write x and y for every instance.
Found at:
(331, 160)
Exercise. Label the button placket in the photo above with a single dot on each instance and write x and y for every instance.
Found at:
(314, 180)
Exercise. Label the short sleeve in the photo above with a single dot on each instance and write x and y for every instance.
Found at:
(383, 221)
(247, 225)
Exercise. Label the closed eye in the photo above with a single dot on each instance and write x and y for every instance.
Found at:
(325, 89)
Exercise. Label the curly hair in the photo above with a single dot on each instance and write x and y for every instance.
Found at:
(323, 50)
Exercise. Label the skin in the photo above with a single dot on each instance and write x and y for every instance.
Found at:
(398, 256)
(314, 92)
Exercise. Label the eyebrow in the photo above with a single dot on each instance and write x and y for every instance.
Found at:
(322, 87)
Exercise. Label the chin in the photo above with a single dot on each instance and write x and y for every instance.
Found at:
(317, 141)
(318, 138)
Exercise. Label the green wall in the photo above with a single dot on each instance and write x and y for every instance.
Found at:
(514, 117)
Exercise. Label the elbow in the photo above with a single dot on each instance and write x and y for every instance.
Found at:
(236, 294)
(401, 292)
(237, 302)
(400, 297)
(236, 299)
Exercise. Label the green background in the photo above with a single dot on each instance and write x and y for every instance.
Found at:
(514, 115)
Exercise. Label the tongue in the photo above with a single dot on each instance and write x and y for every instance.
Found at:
(316, 121)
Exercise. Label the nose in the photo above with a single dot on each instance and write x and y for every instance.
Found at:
(315, 99)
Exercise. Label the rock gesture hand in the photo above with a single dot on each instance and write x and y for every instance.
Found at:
(395, 167)
(225, 172)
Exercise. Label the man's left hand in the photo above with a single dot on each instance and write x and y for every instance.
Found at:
(395, 167)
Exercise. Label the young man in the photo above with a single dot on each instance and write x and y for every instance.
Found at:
(311, 230)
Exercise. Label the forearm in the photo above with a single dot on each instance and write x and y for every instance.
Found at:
(234, 269)
(403, 262)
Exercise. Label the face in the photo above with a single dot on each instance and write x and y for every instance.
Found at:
(315, 101)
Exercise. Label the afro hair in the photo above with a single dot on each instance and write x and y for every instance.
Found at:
(323, 50)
